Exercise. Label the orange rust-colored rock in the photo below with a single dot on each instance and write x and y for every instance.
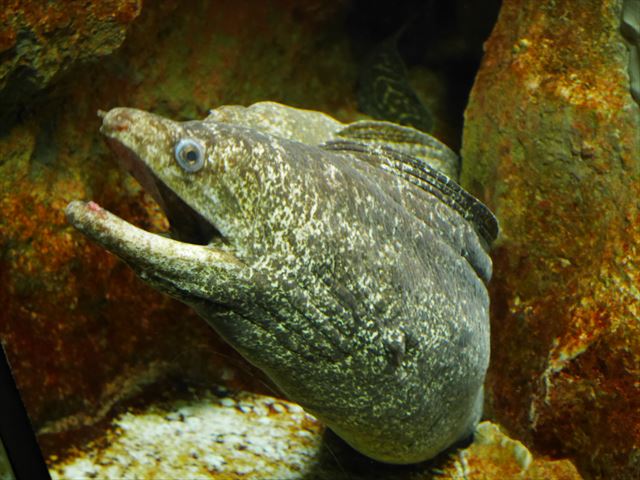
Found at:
(493, 455)
(552, 144)
(40, 41)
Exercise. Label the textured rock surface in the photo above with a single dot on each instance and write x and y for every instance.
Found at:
(552, 142)
(74, 314)
(240, 436)
(247, 436)
(42, 40)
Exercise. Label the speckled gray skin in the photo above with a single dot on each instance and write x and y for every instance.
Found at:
(315, 128)
(361, 294)
(306, 126)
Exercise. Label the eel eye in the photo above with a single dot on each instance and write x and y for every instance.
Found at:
(189, 155)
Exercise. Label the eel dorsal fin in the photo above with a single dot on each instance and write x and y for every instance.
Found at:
(406, 140)
(418, 172)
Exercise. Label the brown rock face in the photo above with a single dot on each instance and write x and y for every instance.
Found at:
(552, 142)
(41, 40)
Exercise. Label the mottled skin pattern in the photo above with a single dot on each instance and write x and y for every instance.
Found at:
(357, 292)
(306, 126)
(315, 128)
(384, 90)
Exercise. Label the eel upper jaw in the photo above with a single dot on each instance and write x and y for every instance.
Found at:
(187, 224)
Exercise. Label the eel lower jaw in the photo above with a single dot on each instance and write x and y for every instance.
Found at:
(176, 268)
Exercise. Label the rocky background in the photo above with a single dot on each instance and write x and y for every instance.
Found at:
(551, 143)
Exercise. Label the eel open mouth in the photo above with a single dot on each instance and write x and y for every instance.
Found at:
(187, 225)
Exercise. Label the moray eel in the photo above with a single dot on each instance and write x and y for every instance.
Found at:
(352, 273)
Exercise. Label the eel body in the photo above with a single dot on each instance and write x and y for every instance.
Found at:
(352, 272)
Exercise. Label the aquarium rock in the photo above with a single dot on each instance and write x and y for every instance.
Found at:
(353, 274)
(40, 42)
(552, 138)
